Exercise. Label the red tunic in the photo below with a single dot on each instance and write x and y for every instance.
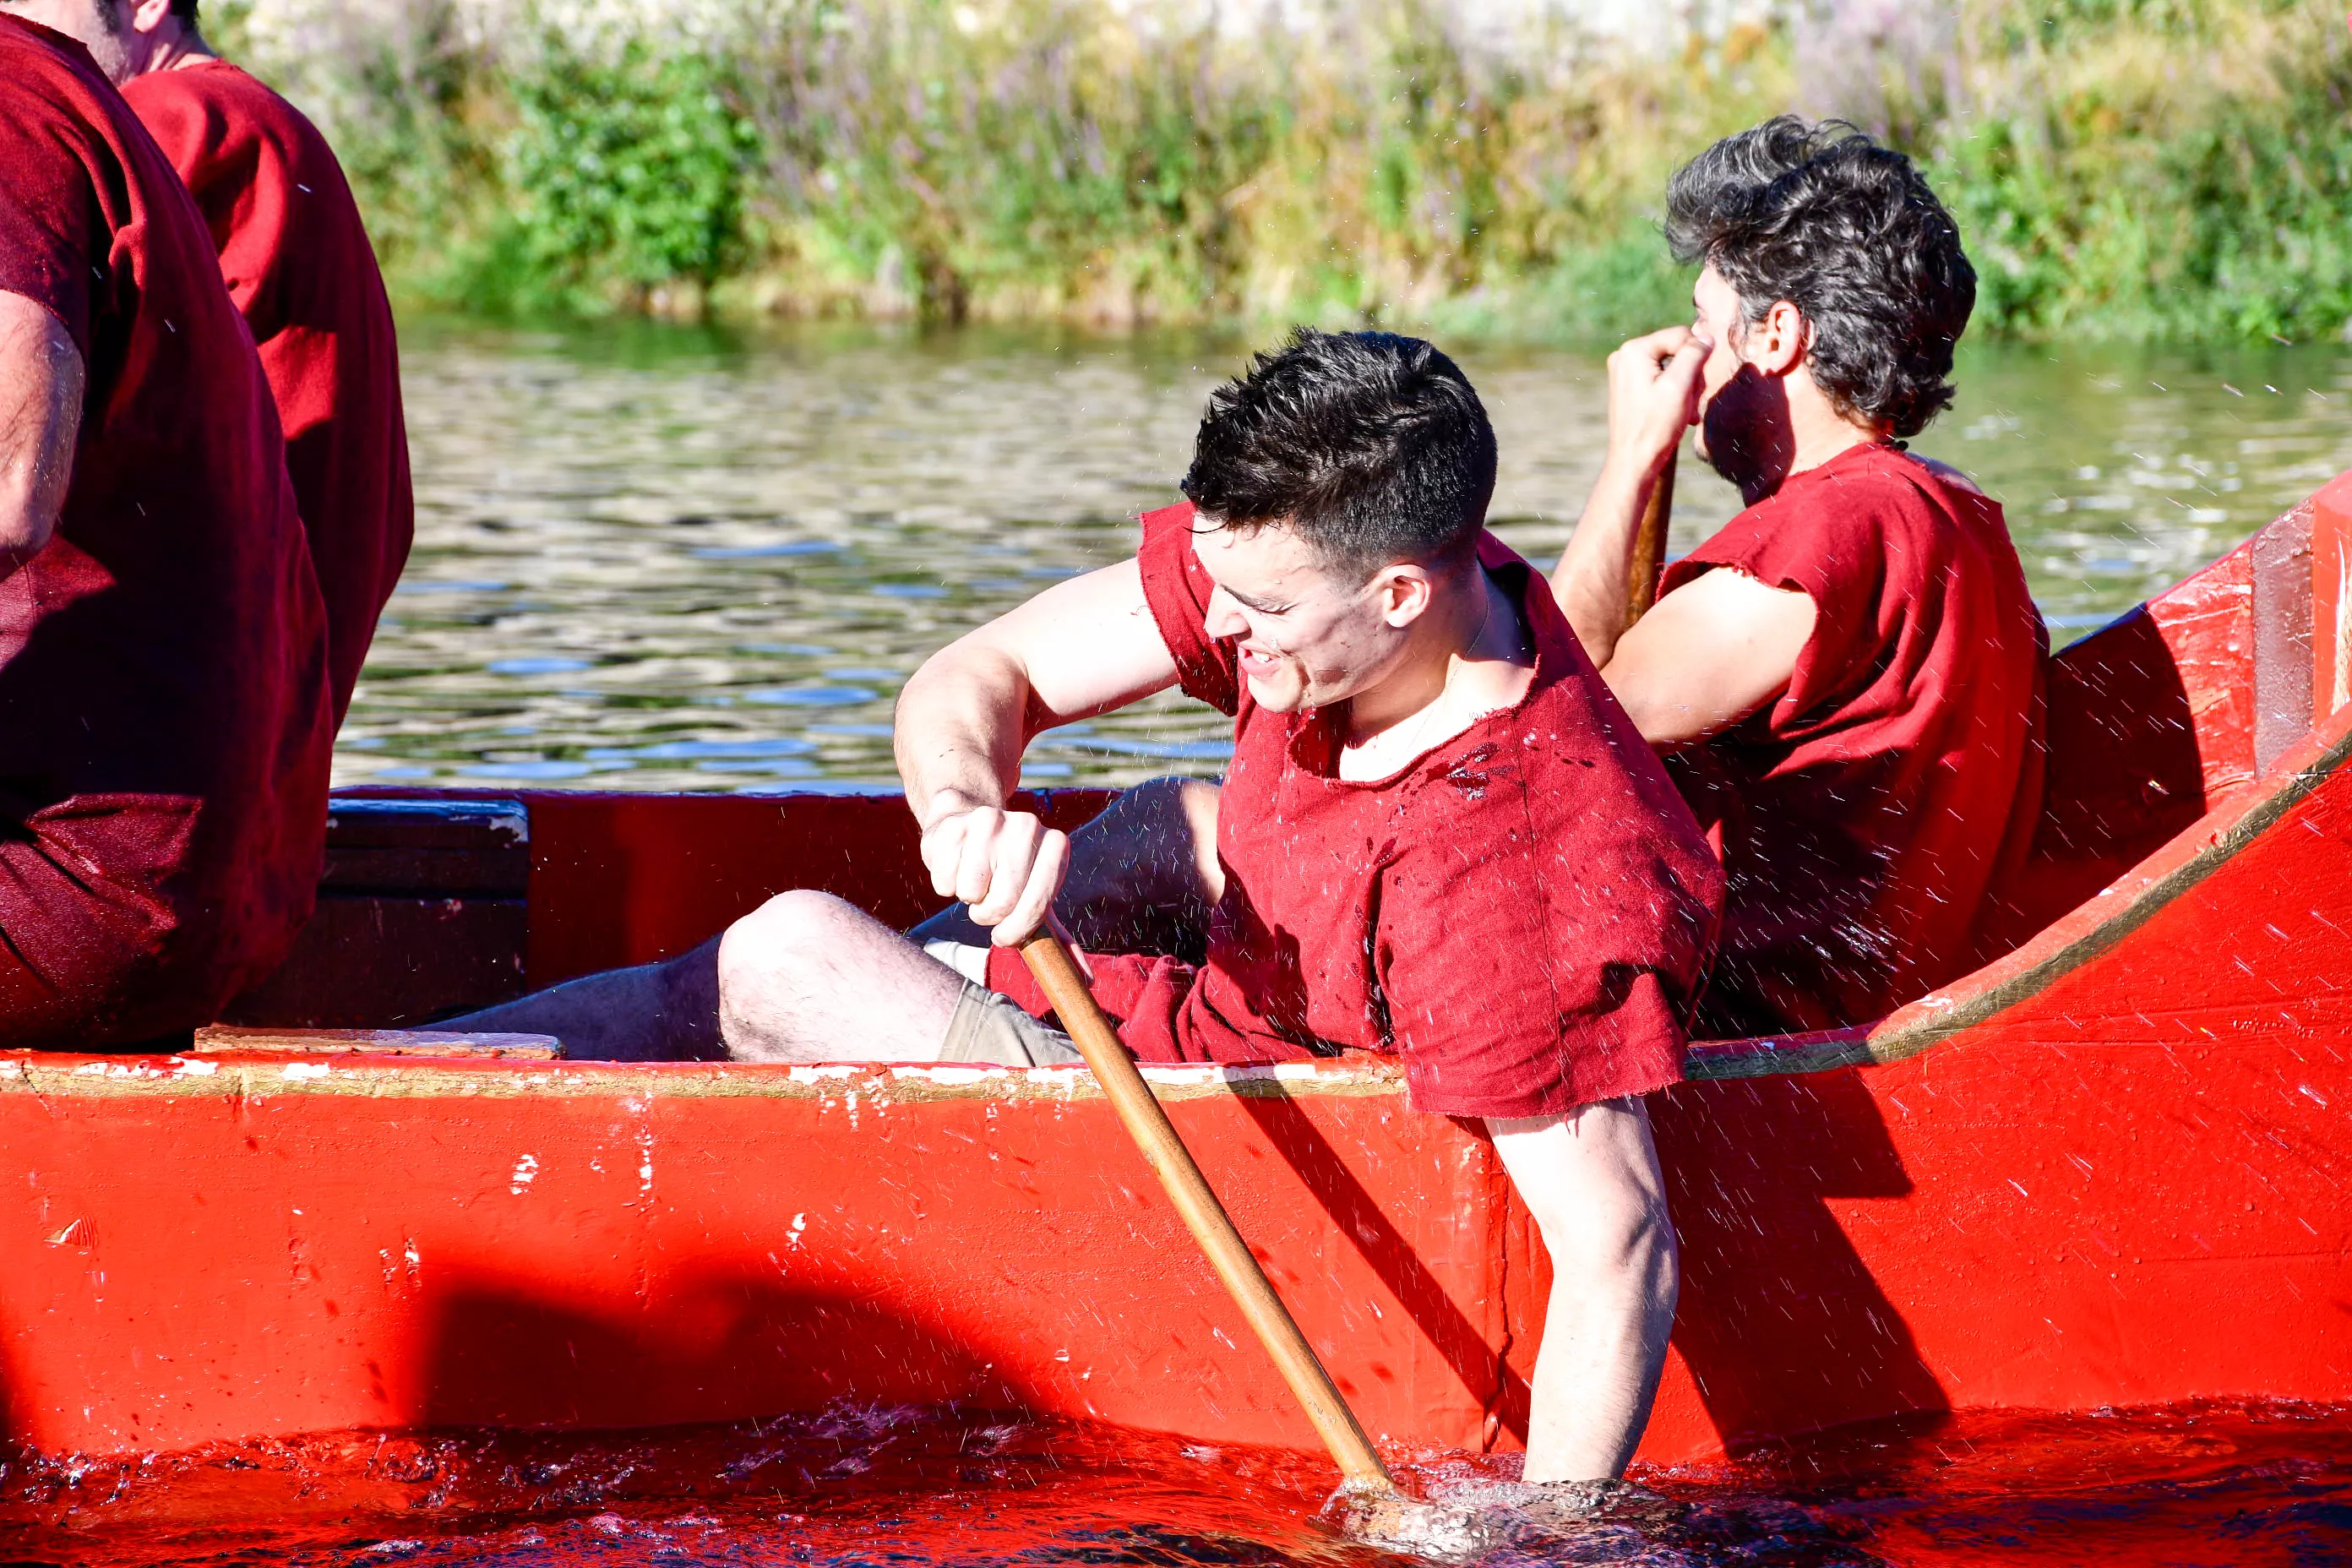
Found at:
(164, 731)
(1522, 915)
(298, 263)
(1865, 813)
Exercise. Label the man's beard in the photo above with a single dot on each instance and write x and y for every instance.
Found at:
(111, 47)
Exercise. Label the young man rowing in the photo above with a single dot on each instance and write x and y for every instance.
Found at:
(1442, 839)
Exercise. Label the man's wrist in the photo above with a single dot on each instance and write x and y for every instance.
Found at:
(952, 800)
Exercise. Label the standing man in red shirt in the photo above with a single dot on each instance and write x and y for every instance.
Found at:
(1427, 773)
(1848, 677)
(164, 723)
(298, 263)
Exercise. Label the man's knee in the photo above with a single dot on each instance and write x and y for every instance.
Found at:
(790, 929)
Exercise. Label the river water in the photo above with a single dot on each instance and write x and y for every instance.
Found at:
(2212, 1486)
(653, 558)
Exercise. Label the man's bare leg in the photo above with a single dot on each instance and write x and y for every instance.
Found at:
(805, 978)
(665, 1012)
(1143, 875)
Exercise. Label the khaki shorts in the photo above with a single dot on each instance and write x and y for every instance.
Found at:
(988, 1027)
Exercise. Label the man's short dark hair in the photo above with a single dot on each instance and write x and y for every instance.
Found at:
(1372, 447)
(1848, 232)
(185, 10)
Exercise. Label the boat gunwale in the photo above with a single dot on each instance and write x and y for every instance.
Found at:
(2074, 940)
(257, 1075)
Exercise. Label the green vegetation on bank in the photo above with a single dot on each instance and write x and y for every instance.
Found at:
(2121, 168)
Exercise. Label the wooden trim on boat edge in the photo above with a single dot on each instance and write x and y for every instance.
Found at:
(853, 1085)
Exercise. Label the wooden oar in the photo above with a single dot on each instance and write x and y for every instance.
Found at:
(1203, 1215)
(1650, 544)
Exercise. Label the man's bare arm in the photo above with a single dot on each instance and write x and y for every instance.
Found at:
(1591, 1181)
(41, 380)
(1653, 389)
(1082, 647)
(1707, 655)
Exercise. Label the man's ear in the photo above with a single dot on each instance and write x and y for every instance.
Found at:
(1776, 344)
(1405, 591)
(146, 15)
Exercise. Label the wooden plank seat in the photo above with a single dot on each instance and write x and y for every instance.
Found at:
(222, 1039)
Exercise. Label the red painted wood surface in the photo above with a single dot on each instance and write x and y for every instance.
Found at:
(2331, 596)
(257, 1254)
(629, 878)
(2106, 1169)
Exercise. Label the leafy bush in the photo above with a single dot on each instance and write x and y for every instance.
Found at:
(2121, 168)
(629, 180)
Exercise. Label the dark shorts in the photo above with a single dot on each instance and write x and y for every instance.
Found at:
(987, 1027)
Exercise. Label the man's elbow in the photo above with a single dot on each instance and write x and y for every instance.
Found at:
(972, 672)
(41, 385)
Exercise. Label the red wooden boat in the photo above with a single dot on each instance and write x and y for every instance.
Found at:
(2103, 1169)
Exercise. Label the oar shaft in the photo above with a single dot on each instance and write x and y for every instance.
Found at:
(1650, 544)
(1203, 1215)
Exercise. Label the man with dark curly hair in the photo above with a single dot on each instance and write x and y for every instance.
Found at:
(1847, 679)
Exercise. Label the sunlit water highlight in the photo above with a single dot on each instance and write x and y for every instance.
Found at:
(2215, 1486)
(656, 559)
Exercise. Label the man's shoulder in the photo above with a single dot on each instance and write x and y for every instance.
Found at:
(33, 53)
(242, 104)
(1868, 498)
(50, 86)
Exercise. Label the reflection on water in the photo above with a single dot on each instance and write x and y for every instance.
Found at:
(2221, 1487)
(655, 559)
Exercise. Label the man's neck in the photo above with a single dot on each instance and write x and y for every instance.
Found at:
(1474, 662)
(1814, 432)
(178, 44)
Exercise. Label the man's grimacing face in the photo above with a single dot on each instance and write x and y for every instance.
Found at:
(1308, 635)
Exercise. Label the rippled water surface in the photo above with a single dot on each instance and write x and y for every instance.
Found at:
(656, 559)
(2262, 1486)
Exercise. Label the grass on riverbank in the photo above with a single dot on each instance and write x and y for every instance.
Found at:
(2122, 168)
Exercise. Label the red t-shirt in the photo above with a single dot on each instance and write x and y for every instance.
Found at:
(1522, 915)
(1865, 813)
(298, 263)
(164, 731)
